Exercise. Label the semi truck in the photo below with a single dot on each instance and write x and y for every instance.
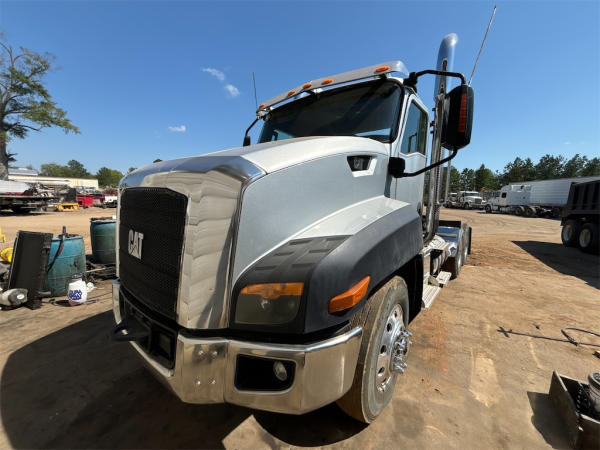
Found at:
(543, 198)
(581, 217)
(283, 276)
(465, 200)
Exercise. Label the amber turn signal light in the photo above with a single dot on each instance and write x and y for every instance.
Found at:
(351, 297)
(272, 291)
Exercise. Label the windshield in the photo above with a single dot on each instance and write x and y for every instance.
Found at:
(367, 110)
(471, 194)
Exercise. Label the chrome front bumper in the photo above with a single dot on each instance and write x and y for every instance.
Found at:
(204, 370)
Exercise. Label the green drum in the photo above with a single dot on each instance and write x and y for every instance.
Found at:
(70, 261)
(102, 233)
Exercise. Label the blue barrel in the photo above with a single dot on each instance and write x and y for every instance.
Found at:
(69, 262)
(102, 234)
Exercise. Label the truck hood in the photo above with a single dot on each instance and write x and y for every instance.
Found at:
(265, 158)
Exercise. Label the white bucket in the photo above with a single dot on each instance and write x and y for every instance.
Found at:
(77, 292)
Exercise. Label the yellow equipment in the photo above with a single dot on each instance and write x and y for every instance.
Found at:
(67, 207)
(6, 254)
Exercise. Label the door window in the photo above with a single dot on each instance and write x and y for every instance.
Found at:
(414, 138)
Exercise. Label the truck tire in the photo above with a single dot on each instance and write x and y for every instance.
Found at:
(385, 342)
(556, 212)
(519, 211)
(570, 232)
(588, 238)
(529, 211)
(488, 209)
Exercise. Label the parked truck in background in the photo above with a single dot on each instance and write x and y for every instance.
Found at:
(283, 276)
(22, 198)
(543, 198)
(581, 217)
(465, 200)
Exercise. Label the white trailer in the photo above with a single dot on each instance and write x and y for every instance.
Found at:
(534, 198)
(552, 194)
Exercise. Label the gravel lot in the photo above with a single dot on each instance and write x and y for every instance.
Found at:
(64, 384)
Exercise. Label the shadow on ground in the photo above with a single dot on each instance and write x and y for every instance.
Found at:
(75, 388)
(547, 421)
(567, 260)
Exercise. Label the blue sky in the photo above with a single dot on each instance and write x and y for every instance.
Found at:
(133, 73)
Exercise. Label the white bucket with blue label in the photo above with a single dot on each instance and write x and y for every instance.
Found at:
(77, 292)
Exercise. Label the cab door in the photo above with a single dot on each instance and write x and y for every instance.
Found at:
(411, 145)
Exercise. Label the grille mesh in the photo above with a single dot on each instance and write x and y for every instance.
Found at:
(159, 214)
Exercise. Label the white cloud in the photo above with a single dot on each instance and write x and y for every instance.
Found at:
(215, 73)
(567, 143)
(232, 90)
(178, 129)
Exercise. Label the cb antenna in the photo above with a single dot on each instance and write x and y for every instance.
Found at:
(483, 43)
(255, 98)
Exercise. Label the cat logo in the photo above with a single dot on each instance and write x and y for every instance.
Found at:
(134, 246)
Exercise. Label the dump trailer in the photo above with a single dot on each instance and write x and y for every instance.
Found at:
(581, 217)
(283, 276)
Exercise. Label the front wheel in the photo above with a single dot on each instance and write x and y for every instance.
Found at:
(488, 209)
(383, 351)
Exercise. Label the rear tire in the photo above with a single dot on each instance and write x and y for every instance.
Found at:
(519, 211)
(529, 211)
(556, 212)
(384, 318)
(588, 239)
(570, 232)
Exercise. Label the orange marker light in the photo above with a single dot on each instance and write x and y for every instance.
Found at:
(382, 69)
(306, 85)
(292, 92)
(351, 297)
(327, 81)
(261, 106)
(272, 291)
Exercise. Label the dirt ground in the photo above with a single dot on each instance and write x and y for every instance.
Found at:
(64, 384)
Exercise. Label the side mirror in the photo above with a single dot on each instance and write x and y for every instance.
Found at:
(396, 167)
(456, 132)
(246, 141)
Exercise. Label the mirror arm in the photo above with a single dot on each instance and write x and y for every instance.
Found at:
(413, 76)
(248, 130)
(425, 169)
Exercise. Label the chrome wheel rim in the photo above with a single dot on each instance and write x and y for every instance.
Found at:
(585, 237)
(393, 349)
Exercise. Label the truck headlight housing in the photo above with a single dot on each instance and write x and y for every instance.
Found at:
(268, 303)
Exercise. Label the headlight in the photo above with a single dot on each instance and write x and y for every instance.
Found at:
(268, 303)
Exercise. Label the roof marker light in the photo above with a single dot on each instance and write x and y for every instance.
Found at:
(292, 92)
(261, 106)
(306, 85)
(327, 81)
(382, 69)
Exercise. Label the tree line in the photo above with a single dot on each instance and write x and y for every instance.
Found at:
(547, 168)
(106, 176)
